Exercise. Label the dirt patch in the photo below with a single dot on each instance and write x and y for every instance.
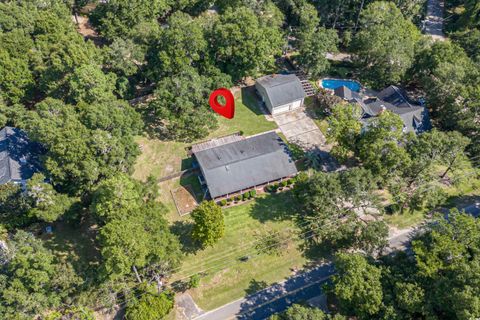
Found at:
(184, 198)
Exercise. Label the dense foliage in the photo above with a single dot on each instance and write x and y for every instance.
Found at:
(439, 281)
(209, 225)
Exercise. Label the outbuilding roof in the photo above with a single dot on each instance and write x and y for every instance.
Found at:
(282, 89)
(16, 160)
(246, 163)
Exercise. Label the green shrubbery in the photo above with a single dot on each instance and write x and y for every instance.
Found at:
(222, 202)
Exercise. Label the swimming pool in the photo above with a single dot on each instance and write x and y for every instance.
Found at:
(335, 83)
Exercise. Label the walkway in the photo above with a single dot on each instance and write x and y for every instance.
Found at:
(433, 23)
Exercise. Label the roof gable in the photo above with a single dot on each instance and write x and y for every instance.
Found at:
(242, 164)
(16, 159)
(282, 89)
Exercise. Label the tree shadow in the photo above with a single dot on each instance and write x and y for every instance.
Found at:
(74, 241)
(251, 100)
(275, 207)
(255, 286)
(462, 201)
(278, 297)
(190, 182)
(183, 230)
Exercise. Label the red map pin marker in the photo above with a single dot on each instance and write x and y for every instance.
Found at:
(227, 110)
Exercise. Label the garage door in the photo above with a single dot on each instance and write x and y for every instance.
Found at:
(281, 109)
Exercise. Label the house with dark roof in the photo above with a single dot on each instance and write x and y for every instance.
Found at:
(281, 92)
(243, 164)
(414, 116)
(18, 156)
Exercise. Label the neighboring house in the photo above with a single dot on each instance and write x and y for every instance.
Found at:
(18, 162)
(281, 92)
(248, 163)
(414, 116)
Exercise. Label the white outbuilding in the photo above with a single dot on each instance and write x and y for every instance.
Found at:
(281, 92)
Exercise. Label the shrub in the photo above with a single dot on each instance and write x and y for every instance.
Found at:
(284, 183)
(150, 306)
(194, 281)
(238, 198)
(229, 200)
(246, 195)
(253, 193)
(222, 202)
(290, 182)
(268, 188)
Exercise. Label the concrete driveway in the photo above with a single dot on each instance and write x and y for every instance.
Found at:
(300, 129)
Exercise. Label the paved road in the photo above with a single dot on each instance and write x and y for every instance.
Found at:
(280, 296)
(275, 298)
(433, 24)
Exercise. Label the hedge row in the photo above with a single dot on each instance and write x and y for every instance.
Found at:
(279, 185)
(245, 196)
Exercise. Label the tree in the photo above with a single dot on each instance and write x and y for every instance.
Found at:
(117, 18)
(78, 157)
(209, 225)
(46, 203)
(243, 45)
(417, 184)
(299, 312)
(468, 40)
(76, 312)
(384, 47)
(442, 70)
(150, 305)
(357, 285)
(33, 281)
(180, 46)
(339, 200)
(135, 233)
(180, 108)
(380, 148)
(313, 50)
(16, 80)
(344, 130)
(14, 206)
(89, 84)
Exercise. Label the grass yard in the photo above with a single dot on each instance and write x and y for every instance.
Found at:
(227, 278)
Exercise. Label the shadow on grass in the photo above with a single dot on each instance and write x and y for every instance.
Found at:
(186, 163)
(183, 230)
(275, 207)
(75, 241)
(195, 189)
(251, 100)
(255, 286)
(462, 201)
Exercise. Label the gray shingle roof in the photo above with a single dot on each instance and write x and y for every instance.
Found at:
(346, 93)
(396, 96)
(282, 89)
(243, 164)
(394, 99)
(412, 116)
(16, 160)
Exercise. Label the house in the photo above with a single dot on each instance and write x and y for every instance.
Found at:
(414, 116)
(244, 164)
(18, 162)
(281, 92)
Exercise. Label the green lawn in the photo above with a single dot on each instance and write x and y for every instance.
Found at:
(227, 278)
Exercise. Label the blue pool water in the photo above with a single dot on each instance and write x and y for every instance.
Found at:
(335, 83)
